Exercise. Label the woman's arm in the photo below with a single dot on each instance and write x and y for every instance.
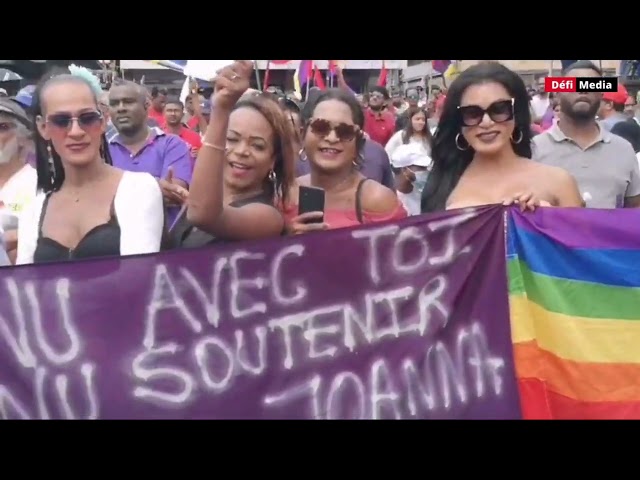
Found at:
(28, 230)
(140, 211)
(206, 208)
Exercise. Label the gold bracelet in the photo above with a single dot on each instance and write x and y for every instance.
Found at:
(215, 147)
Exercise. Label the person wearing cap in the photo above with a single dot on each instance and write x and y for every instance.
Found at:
(612, 107)
(25, 96)
(18, 179)
(604, 165)
(410, 164)
(205, 115)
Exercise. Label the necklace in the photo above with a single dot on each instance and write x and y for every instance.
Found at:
(347, 177)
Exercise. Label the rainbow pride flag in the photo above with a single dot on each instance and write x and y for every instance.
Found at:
(574, 293)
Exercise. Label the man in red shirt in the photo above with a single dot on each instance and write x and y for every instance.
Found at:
(172, 123)
(158, 101)
(379, 122)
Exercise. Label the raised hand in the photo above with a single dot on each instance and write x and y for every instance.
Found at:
(231, 83)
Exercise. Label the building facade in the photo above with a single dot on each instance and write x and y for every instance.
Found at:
(418, 72)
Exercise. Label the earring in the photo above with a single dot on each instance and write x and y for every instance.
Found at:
(519, 138)
(272, 176)
(458, 144)
(52, 167)
(358, 162)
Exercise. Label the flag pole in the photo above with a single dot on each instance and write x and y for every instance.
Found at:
(257, 72)
(308, 81)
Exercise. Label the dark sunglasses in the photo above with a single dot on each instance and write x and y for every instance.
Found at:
(344, 131)
(500, 111)
(85, 120)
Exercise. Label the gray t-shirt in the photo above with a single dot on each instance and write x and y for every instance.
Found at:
(607, 171)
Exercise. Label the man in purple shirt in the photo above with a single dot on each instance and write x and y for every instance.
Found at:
(376, 164)
(136, 147)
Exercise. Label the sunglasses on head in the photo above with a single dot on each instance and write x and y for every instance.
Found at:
(499, 112)
(344, 131)
(86, 120)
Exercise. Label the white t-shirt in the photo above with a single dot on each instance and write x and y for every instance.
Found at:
(411, 202)
(539, 105)
(138, 207)
(396, 140)
(16, 195)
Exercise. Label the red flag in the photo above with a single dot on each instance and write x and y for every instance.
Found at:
(382, 79)
(317, 78)
(266, 76)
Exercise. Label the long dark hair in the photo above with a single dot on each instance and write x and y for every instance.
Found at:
(284, 167)
(449, 162)
(48, 180)
(407, 133)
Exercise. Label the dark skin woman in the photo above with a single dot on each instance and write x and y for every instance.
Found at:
(246, 164)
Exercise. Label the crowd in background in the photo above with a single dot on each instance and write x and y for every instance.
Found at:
(87, 173)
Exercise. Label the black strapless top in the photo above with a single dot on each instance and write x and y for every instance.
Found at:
(185, 235)
(101, 241)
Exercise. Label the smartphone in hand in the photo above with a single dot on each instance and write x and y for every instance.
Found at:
(311, 199)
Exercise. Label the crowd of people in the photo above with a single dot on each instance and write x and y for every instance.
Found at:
(88, 173)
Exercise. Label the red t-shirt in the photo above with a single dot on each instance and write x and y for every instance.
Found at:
(157, 116)
(191, 138)
(193, 123)
(380, 128)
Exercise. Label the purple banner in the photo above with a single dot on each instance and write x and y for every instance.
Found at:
(406, 320)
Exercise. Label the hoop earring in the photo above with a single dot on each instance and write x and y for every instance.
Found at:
(272, 177)
(303, 155)
(357, 165)
(458, 144)
(519, 138)
(52, 166)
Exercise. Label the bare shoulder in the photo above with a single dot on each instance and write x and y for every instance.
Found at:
(560, 183)
(376, 198)
(550, 172)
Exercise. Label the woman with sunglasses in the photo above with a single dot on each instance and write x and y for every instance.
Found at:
(244, 169)
(84, 208)
(482, 149)
(333, 142)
